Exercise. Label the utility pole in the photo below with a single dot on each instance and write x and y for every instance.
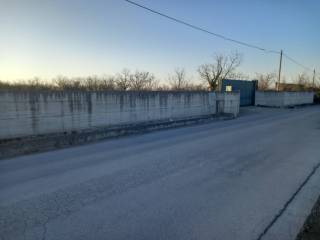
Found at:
(279, 76)
(314, 75)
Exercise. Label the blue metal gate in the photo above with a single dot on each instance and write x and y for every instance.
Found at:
(247, 90)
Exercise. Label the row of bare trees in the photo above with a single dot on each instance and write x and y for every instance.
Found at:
(223, 66)
(139, 80)
(127, 80)
(123, 81)
(302, 82)
(211, 74)
(179, 80)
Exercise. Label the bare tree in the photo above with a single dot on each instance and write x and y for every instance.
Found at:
(4, 85)
(123, 80)
(196, 87)
(303, 79)
(178, 80)
(61, 82)
(266, 80)
(91, 83)
(162, 87)
(77, 83)
(65, 83)
(239, 76)
(107, 83)
(303, 82)
(34, 82)
(142, 80)
(222, 67)
(317, 82)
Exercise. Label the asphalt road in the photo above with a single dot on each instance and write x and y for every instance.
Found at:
(222, 180)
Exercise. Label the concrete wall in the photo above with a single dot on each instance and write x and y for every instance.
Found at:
(228, 103)
(298, 98)
(271, 99)
(283, 99)
(41, 112)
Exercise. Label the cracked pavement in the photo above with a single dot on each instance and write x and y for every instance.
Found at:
(222, 180)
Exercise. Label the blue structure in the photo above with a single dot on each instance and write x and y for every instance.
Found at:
(247, 89)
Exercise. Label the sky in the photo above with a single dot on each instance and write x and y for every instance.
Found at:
(80, 37)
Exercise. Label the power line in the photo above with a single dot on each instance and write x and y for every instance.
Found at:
(296, 62)
(215, 34)
(201, 29)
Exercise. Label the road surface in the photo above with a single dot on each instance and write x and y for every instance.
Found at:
(225, 180)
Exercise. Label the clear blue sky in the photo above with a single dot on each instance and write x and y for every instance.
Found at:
(78, 38)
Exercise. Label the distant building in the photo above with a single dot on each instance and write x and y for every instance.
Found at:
(292, 87)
